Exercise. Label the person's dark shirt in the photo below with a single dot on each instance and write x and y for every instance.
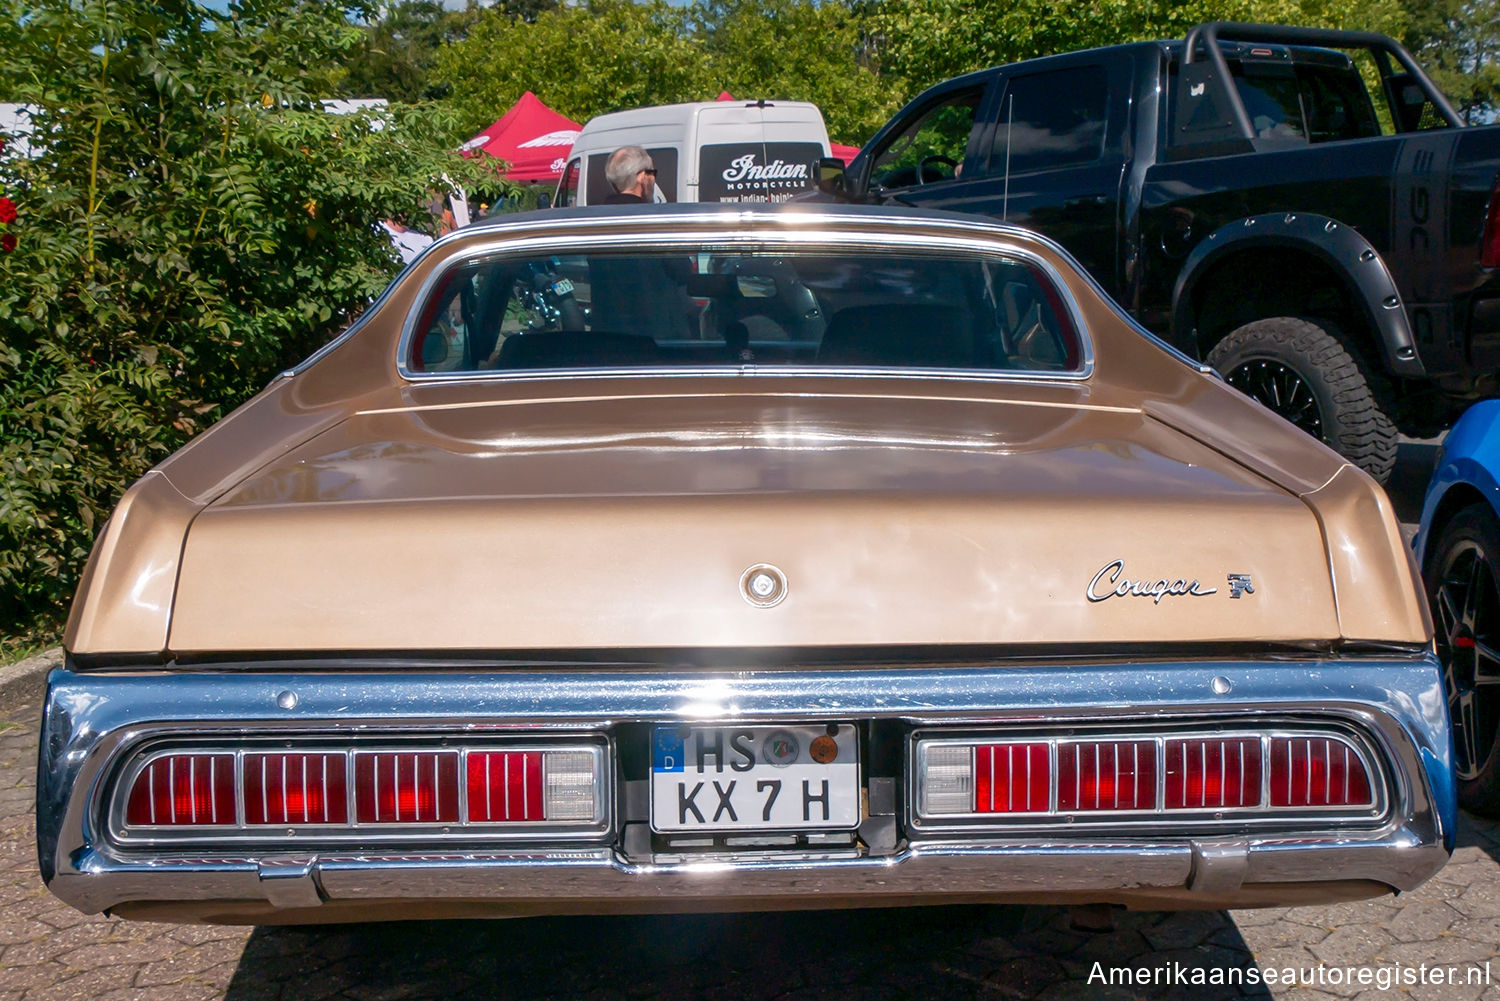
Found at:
(641, 295)
(624, 198)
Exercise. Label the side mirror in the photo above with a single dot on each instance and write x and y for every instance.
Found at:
(544, 200)
(831, 176)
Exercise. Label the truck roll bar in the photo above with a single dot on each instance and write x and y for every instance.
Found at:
(1208, 36)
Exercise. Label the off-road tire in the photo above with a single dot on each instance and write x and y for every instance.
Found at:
(1464, 594)
(1353, 397)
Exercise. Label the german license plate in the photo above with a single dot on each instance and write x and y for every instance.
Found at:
(754, 778)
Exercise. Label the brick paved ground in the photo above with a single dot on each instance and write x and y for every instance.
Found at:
(48, 951)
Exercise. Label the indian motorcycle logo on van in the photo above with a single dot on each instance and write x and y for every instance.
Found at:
(744, 172)
(745, 169)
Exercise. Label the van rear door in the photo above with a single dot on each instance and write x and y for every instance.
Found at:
(758, 152)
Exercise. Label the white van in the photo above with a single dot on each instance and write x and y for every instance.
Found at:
(710, 151)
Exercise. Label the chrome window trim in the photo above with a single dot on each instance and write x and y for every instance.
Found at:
(766, 240)
(353, 328)
(150, 746)
(1373, 812)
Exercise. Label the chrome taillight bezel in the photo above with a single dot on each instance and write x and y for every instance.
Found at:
(1261, 816)
(141, 753)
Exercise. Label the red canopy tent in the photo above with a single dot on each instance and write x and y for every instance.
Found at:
(531, 137)
(845, 153)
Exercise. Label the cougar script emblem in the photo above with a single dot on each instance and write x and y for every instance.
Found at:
(1111, 582)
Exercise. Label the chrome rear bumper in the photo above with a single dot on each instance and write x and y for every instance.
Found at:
(94, 720)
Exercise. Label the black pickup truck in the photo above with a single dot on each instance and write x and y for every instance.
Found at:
(1331, 256)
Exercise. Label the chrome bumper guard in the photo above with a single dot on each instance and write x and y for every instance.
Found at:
(94, 721)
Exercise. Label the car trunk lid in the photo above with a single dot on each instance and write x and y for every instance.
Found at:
(629, 523)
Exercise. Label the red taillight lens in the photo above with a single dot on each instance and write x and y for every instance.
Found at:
(1317, 771)
(1489, 250)
(407, 787)
(1125, 774)
(177, 789)
(1106, 775)
(505, 785)
(1209, 774)
(1011, 778)
(295, 789)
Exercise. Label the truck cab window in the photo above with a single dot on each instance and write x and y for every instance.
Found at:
(1052, 119)
(1337, 104)
(931, 148)
(1271, 100)
(1310, 102)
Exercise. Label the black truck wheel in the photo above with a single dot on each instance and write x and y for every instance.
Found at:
(1464, 594)
(1306, 372)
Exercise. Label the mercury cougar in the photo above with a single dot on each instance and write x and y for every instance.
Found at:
(697, 558)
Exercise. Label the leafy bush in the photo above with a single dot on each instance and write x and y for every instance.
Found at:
(189, 223)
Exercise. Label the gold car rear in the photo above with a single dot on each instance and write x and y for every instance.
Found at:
(715, 560)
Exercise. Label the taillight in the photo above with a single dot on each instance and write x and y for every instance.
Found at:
(510, 786)
(505, 785)
(1177, 775)
(986, 778)
(1209, 773)
(183, 789)
(1489, 249)
(946, 776)
(339, 792)
(571, 782)
(1317, 771)
(1012, 778)
(1107, 775)
(288, 788)
(406, 787)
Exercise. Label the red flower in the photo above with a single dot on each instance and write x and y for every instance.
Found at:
(8, 241)
(7, 211)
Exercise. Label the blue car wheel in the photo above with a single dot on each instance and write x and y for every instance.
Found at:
(1464, 592)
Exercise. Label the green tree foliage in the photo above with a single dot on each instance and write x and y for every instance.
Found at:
(925, 41)
(583, 61)
(190, 223)
(1458, 42)
(858, 60)
(613, 54)
(797, 50)
(400, 47)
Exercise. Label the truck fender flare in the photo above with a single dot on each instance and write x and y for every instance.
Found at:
(1341, 247)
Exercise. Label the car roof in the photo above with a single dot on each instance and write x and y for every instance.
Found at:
(742, 214)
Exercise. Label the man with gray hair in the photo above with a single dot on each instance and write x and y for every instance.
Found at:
(642, 294)
(631, 173)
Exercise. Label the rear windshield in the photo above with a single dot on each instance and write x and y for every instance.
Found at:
(710, 308)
